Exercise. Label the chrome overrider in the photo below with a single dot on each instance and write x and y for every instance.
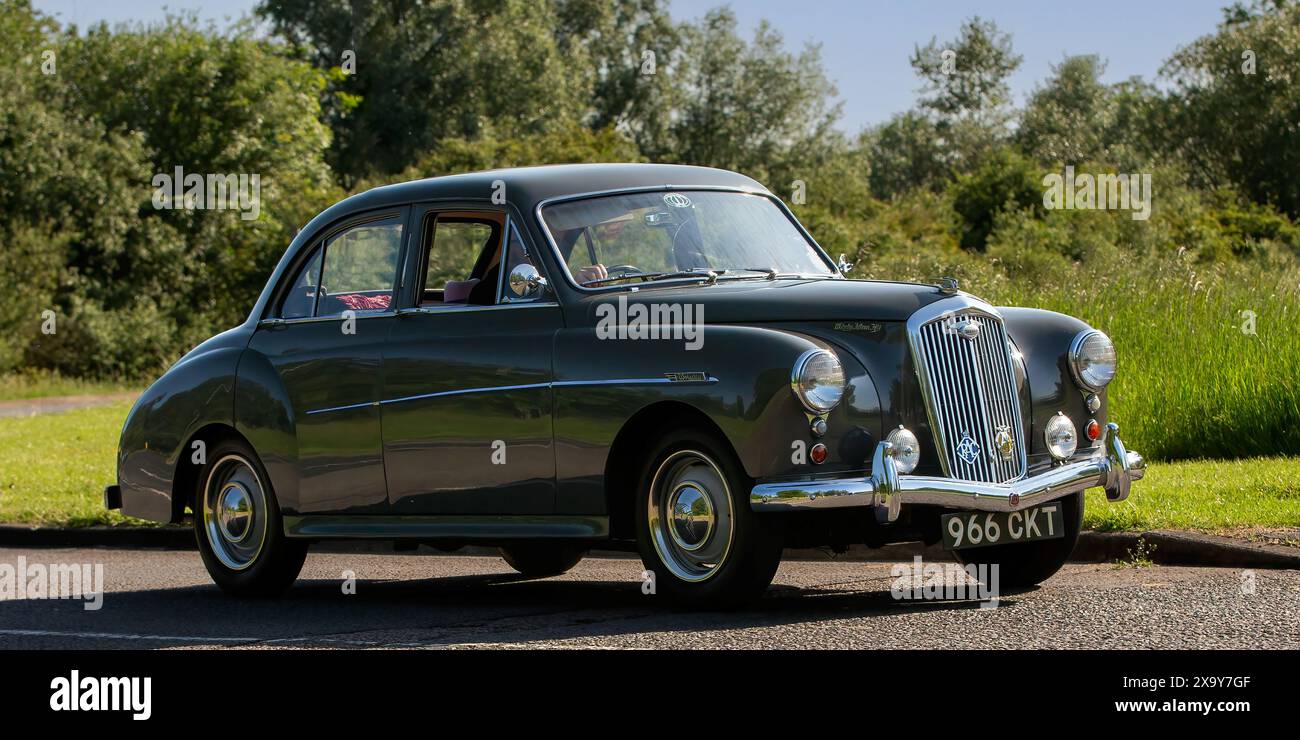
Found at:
(1113, 468)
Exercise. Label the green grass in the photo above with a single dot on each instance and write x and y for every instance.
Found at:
(54, 467)
(1191, 383)
(32, 384)
(1205, 495)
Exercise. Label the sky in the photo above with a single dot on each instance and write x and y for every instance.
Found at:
(865, 44)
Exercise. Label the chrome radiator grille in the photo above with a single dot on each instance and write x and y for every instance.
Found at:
(970, 393)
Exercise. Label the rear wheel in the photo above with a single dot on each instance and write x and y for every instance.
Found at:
(695, 530)
(238, 526)
(538, 560)
(1026, 564)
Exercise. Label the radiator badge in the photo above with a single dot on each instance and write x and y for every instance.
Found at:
(1005, 442)
(967, 449)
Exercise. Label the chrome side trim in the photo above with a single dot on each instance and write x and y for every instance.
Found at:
(363, 314)
(1113, 468)
(429, 311)
(709, 380)
(342, 526)
(349, 407)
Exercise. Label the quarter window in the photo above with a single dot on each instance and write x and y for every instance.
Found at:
(300, 301)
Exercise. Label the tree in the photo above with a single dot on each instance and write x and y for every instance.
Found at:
(966, 87)
(1236, 103)
(406, 74)
(1004, 181)
(633, 45)
(752, 107)
(906, 153)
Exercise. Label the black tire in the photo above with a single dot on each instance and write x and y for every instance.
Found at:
(1028, 564)
(542, 559)
(264, 562)
(744, 568)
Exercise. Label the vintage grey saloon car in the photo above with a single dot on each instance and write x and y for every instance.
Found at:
(554, 359)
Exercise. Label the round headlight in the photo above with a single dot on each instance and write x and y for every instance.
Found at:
(1061, 437)
(818, 380)
(1092, 357)
(907, 451)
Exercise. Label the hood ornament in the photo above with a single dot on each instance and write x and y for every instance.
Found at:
(948, 285)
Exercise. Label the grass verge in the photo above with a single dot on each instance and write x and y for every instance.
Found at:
(23, 386)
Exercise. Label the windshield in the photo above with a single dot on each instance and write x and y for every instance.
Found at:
(660, 235)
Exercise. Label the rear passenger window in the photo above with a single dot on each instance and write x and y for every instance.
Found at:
(360, 269)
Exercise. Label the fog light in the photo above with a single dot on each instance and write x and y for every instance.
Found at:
(817, 454)
(907, 451)
(1093, 430)
(1060, 436)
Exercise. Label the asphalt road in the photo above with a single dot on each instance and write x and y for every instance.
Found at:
(163, 599)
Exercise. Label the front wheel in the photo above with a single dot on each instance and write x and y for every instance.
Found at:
(696, 532)
(1025, 564)
(238, 526)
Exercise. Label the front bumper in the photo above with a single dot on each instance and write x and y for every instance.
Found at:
(1114, 468)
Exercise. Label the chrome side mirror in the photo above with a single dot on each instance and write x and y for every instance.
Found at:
(526, 282)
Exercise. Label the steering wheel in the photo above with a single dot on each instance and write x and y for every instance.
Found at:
(622, 270)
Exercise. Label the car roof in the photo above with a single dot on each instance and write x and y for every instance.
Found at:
(525, 187)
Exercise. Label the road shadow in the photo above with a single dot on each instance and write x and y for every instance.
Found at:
(481, 609)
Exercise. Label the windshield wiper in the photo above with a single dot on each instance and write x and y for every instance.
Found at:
(769, 273)
(709, 276)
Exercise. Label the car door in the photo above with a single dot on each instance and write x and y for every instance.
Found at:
(467, 370)
(326, 344)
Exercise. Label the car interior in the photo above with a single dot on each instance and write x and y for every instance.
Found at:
(450, 278)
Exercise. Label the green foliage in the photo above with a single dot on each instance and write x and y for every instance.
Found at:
(1005, 180)
(906, 154)
(1236, 103)
(433, 70)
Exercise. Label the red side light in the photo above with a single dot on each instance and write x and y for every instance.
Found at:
(1093, 430)
(818, 453)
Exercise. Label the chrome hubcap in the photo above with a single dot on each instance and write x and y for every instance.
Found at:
(690, 516)
(234, 512)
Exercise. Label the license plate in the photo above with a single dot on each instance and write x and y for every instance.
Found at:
(983, 528)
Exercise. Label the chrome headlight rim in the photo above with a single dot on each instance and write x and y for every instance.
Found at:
(796, 377)
(1076, 347)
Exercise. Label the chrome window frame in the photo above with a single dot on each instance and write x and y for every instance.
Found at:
(318, 244)
(568, 276)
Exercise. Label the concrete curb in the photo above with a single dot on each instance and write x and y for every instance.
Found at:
(1165, 547)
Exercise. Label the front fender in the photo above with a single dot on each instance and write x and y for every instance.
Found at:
(739, 378)
(1043, 338)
